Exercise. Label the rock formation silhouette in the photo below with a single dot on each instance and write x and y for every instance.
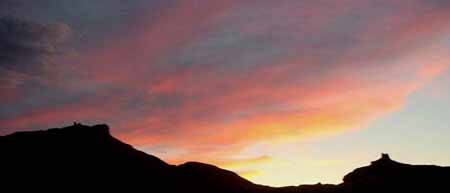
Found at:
(88, 158)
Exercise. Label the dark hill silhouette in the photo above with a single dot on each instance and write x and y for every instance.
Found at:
(88, 158)
(385, 175)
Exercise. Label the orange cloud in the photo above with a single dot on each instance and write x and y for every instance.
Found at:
(432, 70)
(243, 162)
(249, 173)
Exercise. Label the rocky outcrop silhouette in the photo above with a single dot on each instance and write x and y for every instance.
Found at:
(386, 175)
(83, 158)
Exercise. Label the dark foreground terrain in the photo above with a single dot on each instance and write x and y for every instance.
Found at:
(86, 159)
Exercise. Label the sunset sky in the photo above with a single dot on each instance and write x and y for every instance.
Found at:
(283, 92)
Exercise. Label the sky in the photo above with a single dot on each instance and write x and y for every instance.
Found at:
(282, 92)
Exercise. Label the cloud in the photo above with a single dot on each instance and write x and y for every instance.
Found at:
(244, 162)
(28, 52)
(25, 44)
(249, 173)
(207, 80)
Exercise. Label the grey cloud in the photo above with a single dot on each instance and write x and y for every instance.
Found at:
(24, 45)
(94, 20)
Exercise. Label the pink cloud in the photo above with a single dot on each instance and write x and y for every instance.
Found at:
(209, 109)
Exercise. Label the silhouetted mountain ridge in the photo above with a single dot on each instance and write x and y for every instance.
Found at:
(386, 174)
(82, 156)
